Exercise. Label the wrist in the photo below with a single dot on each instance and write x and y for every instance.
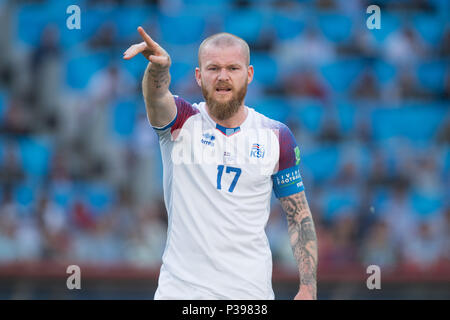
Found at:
(309, 289)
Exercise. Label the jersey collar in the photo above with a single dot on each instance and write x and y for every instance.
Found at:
(226, 131)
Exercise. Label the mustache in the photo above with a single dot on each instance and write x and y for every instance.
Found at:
(223, 85)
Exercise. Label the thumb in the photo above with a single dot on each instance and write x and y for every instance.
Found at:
(159, 60)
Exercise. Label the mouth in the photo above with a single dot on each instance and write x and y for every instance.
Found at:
(223, 90)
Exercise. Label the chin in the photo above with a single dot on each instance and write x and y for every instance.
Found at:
(224, 99)
(226, 96)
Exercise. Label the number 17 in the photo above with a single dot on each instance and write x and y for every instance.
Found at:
(228, 170)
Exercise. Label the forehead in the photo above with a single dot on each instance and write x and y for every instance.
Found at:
(223, 55)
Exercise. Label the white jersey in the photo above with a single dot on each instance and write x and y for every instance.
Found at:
(217, 188)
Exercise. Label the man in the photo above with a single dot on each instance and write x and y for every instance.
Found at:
(221, 160)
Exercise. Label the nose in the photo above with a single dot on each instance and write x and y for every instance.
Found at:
(223, 74)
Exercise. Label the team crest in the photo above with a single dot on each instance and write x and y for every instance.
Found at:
(257, 151)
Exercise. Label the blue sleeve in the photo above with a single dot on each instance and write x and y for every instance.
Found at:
(287, 180)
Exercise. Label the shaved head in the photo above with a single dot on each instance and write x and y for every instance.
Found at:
(223, 40)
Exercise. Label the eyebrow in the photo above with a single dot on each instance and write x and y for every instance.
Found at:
(218, 65)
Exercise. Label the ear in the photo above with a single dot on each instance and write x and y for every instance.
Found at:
(250, 72)
(198, 76)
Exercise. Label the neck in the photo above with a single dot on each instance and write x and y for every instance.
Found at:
(232, 122)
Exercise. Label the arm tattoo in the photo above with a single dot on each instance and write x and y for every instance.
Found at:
(159, 77)
(303, 239)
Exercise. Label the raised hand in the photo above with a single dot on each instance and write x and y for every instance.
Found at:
(159, 102)
(151, 50)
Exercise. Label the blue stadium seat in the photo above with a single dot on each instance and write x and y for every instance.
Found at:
(82, 66)
(380, 197)
(127, 20)
(287, 26)
(322, 162)
(73, 38)
(309, 112)
(94, 18)
(69, 38)
(2, 151)
(340, 75)
(336, 202)
(385, 71)
(36, 156)
(414, 122)
(446, 162)
(264, 2)
(33, 18)
(346, 116)
(208, 7)
(205, 2)
(336, 27)
(136, 67)
(3, 106)
(100, 197)
(426, 204)
(246, 24)
(31, 21)
(124, 114)
(180, 70)
(186, 28)
(430, 27)
(266, 68)
(441, 6)
(365, 160)
(274, 107)
(389, 24)
(63, 4)
(431, 75)
(24, 194)
(62, 195)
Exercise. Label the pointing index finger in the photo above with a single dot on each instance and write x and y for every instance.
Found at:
(149, 41)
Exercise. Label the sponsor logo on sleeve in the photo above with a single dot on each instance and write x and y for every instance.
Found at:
(297, 155)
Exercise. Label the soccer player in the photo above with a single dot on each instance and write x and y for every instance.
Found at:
(221, 160)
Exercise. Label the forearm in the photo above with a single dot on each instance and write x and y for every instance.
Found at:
(155, 83)
(159, 102)
(303, 240)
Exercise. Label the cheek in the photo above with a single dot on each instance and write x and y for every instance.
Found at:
(241, 80)
(206, 84)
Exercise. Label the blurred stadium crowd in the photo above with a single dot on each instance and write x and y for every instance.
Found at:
(80, 168)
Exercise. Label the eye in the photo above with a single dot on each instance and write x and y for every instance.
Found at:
(212, 68)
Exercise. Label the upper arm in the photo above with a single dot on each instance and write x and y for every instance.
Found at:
(287, 180)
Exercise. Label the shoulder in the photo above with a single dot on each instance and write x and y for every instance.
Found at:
(185, 106)
(281, 130)
(185, 110)
(269, 123)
